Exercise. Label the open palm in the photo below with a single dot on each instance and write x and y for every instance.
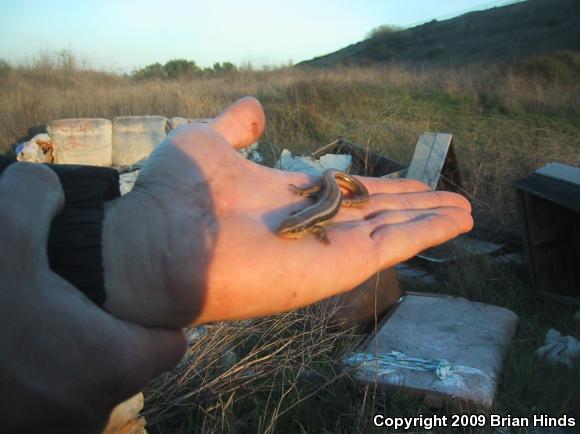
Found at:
(204, 220)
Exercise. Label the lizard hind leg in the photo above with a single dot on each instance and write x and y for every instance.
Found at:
(306, 192)
(321, 234)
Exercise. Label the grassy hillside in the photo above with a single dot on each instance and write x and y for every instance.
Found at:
(500, 34)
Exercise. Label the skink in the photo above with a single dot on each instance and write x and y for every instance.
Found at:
(329, 200)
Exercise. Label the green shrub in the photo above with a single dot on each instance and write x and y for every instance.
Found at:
(560, 67)
(382, 31)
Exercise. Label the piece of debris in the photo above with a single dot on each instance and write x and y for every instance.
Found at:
(135, 137)
(127, 181)
(558, 349)
(176, 122)
(193, 334)
(313, 166)
(125, 417)
(447, 349)
(229, 359)
(549, 211)
(457, 247)
(512, 259)
(82, 141)
(407, 272)
(365, 161)
(429, 157)
(39, 149)
(252, 152)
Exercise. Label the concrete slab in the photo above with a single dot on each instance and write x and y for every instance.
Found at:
(447, 349)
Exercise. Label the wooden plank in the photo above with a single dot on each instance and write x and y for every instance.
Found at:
(429, 158)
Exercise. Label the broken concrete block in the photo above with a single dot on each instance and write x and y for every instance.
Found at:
(135, 137)
(81, 141)
(447, 349)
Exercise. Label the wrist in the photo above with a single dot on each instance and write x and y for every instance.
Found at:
(121, 253)
(141, 283)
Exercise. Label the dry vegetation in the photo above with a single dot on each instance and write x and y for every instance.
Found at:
(281, 374)
(505, 123)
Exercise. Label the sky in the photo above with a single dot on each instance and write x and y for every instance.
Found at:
(122, 35)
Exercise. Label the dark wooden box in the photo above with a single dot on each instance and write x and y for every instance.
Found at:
(548, 202)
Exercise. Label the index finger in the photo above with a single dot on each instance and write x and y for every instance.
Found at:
(387, 185)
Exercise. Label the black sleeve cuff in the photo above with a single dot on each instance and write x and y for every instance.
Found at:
(75, 239)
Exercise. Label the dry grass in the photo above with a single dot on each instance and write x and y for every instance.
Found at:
(504, 124)
(244, 376)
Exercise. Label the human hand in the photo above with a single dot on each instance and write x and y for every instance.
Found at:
(64, 362)
(201, 222)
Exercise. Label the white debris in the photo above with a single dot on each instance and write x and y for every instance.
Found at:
(558, 349)
(229, 359)
(81, 141)
(39, 149)
(252, 153)
(135, 137)
(312, 166)
(195, 333)
(127, 181)
(176, 122)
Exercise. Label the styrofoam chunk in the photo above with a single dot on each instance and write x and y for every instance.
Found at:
(176, 122)
(39, 149)
(81, 141)
(135, 137)
(312, 166)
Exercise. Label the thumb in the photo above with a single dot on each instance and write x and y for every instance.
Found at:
(242, 123)
(30, 196)
(146, 353)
